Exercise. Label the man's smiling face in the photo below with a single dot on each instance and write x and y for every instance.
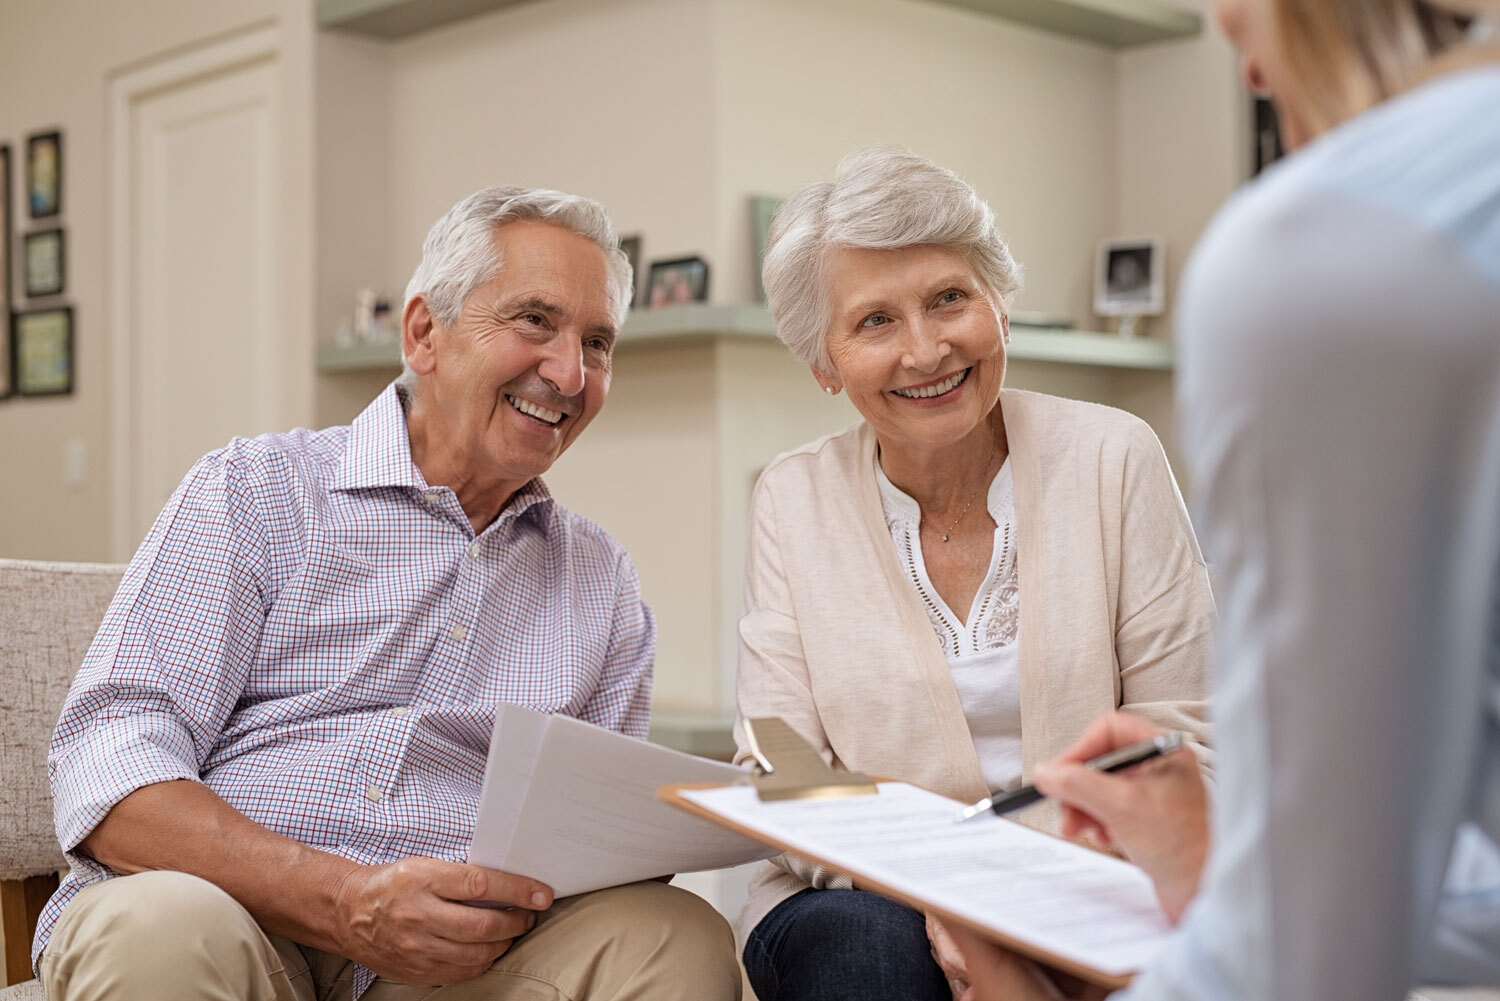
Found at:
(526, 365)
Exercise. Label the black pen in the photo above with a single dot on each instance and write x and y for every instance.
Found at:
(1114, 761)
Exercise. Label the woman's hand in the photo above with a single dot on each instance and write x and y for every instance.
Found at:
(1156, 813)
(1000, 975)
(946, 954)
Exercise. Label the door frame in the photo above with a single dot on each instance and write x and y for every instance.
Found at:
(253, 45)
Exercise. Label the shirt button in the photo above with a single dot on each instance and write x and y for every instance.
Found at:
(474, 550)
(432, 498)
(374, 795)
(458, 633)
(400, 710)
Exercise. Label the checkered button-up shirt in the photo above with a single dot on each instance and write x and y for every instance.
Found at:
(318, 635)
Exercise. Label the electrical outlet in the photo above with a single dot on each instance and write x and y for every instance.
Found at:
(76, 463)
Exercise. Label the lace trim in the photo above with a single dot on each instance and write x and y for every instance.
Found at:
(995, 616)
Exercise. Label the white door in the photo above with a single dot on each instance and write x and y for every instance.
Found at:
(196, 347)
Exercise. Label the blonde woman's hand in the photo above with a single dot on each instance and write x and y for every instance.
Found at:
(1000, 975)
(946, 954)
(1156, 812)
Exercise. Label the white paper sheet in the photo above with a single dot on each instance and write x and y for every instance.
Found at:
(575, 806)
(1062, 898)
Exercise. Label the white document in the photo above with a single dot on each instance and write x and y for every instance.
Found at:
(1061, 898)
(574, 806)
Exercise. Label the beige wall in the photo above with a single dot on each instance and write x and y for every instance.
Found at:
(58, 62)
(1026, 116)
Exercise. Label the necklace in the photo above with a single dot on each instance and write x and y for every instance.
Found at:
(973, 495)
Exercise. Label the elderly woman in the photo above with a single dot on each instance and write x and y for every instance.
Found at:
(948, 592)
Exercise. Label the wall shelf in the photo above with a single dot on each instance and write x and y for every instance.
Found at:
(687, 323)
(1111, 23)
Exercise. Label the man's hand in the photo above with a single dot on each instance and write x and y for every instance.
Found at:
(1156, 813)
(411, 921)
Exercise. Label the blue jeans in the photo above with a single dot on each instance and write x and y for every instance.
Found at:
(843, 945)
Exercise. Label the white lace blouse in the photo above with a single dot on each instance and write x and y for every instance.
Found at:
(981, 649)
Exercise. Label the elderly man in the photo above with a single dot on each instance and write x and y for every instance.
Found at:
(267, 771)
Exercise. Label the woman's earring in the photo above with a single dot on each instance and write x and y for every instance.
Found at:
(829, 390)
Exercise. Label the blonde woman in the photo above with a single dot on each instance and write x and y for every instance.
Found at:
(1341, 405)
(948, 592)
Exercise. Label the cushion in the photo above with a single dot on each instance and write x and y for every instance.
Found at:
(49, 613)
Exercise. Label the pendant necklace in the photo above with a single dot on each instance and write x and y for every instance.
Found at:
(972, 496)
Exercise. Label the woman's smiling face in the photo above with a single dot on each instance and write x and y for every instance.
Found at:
(917, 340)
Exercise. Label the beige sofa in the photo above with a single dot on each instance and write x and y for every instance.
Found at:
(48, 614)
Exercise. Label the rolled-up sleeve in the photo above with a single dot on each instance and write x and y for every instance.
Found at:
(171, 657)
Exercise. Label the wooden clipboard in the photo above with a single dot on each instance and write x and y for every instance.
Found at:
(828, 783)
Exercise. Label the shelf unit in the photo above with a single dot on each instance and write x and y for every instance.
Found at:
(1112, 23)
(695, 322)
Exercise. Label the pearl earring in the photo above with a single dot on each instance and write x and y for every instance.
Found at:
(829, 390)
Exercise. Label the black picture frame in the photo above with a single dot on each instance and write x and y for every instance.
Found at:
(44, 174)
(46, 368)
(53, 280)
(1265, 138)
(676, 282)
(7, 231)
(631, 246)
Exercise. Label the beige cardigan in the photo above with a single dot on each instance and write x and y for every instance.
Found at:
(1115, 609)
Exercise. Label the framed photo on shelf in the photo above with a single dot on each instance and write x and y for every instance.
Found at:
(42, 262)
(1130, 276)
(5, 245)
(41, 351)
(44, 174)
(631, 245)
(677, 281)
(762, 211)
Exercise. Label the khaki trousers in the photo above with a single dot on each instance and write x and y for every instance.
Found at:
(168, 936)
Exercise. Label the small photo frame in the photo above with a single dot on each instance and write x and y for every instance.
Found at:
(1130, 277)
(44, 174)
(678, 281)
(5, 245)
(41, 352)
(631, 245)
(762, 211)
(42, 262)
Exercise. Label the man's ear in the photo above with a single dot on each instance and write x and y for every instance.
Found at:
(417, 326)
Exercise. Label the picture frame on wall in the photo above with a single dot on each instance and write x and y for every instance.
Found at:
(41, 351)
(678, 281)
(631, 245)
(42, 263)
(44, 165)
(1266, 138)
(5, 237)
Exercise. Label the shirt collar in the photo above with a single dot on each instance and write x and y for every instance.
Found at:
(378, 453)
(897, 501)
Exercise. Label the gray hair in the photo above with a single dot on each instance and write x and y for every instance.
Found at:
(881, 198)
(459, 254)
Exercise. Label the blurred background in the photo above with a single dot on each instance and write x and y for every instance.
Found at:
(238, 185)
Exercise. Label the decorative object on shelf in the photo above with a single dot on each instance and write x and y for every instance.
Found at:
(42, 262)
(372, 322)
(42, 351)
(631, 245)
(44, 174)
(5, 235)
(1130, 280)
(762, 211)
(1266, 141)
(674, 282)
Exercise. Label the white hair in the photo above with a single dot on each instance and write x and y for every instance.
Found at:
(881, 198)
(459, 254)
